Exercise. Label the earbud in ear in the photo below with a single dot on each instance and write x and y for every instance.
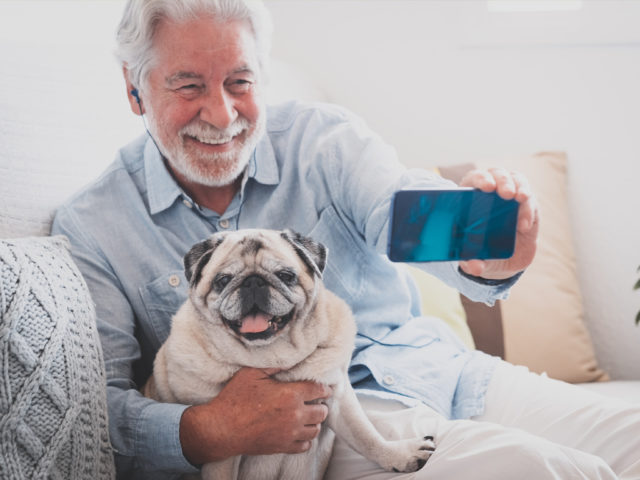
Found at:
(136, 95)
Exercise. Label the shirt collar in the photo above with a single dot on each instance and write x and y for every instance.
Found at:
(163, 190)
(263, 167)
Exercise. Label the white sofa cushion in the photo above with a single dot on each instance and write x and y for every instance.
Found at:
(628, 390)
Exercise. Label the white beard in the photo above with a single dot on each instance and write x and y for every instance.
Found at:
(212, 170)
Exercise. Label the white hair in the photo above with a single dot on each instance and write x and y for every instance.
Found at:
(141, 17)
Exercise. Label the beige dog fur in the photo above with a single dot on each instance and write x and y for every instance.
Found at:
(211, 339)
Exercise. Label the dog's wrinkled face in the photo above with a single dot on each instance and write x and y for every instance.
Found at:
(254, 282)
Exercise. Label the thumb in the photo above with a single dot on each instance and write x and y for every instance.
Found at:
(252, 373)
(473, 267)
(270, 371)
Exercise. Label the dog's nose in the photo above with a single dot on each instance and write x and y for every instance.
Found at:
(253, 281)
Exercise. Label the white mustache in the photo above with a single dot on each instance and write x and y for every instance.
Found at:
(205, 133)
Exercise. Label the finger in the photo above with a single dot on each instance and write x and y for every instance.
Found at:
(505, 185)
(528, 215)
(316, 391)
(250, 374)
(528, 204)
(309, 432)
(271, 371)
(315, 414)
(525, 217)
(523, 189)
(300, 447)
(524, 196)
(480, 179)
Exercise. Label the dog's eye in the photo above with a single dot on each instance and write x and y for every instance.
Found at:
(287, 276)
(221, 281)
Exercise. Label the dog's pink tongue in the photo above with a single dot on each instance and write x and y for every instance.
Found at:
(255, 323)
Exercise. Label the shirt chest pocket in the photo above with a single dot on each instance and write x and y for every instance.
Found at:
(162, 298)
(346, 261)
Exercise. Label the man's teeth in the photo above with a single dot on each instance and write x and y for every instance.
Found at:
(214, 141)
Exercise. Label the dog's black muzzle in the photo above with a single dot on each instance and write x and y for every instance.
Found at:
(255, 299)
(254, 291)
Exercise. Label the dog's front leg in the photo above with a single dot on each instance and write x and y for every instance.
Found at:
(223, 470)
(349, 422)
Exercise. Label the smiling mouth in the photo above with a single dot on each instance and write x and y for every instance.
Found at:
(258, 325)
(212, 142)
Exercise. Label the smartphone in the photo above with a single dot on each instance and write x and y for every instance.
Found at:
(459, 224)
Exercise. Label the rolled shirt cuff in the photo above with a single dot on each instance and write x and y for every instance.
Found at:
(158, 435)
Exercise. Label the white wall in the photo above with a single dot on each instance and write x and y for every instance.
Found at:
(443, 81)
(62, 96)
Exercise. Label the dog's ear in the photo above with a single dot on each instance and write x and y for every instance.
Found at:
(313, 253)
(198, 257)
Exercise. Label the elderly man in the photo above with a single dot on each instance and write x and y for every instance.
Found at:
(216, 158)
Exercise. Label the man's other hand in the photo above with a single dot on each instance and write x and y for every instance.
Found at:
(254, 415)
(509, 185)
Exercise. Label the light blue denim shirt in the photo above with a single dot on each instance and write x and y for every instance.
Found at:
(318, 170)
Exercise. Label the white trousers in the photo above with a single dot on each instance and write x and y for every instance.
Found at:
(533, 428)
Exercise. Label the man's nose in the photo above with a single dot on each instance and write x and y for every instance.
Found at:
(218, 108)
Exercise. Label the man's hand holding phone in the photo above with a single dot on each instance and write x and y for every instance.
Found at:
(508, 185)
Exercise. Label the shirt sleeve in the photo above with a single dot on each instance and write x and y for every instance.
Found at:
(144, 433)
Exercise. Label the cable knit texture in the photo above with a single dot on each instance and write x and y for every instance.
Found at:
(53, 416)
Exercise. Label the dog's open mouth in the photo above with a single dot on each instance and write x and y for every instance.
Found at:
(259, 325)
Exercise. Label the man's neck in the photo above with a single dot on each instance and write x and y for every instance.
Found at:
(216, 199)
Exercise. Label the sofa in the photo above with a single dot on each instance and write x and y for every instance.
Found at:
(63, 114)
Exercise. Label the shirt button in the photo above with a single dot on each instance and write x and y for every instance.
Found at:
(388, 380)
(187, 203)
(224, 223)
(174, 280)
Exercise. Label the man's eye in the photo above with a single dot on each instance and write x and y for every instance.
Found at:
(192, 87)
(239, 86)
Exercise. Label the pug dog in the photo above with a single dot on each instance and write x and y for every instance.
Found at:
(256, 298)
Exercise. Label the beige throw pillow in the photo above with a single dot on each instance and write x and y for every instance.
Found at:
(543, 320)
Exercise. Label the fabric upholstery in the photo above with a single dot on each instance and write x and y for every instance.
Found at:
(53, 415)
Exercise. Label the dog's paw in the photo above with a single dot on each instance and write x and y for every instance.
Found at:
(412, 454)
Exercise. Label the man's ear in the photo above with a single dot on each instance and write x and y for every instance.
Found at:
(135, 101)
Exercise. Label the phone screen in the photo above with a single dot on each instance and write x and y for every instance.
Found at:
(443, 225)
